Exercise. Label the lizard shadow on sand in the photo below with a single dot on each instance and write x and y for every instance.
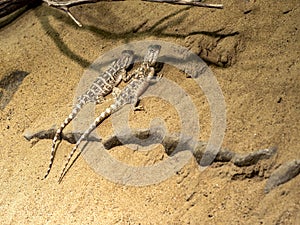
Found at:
(158, 29)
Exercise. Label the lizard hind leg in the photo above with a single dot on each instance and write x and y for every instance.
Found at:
(116, 92)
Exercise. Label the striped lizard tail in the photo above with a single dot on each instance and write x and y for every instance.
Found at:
(92, 127)
(58, 135)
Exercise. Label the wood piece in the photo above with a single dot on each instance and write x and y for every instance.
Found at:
(49, 134)
(188, 2)
(169, 142)
(9, 6)
(253, 158)
(283, 174)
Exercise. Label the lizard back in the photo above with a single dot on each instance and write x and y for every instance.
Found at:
(101, 87)
(129, 95)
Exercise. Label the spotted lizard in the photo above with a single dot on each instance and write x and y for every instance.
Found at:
(102, 86)
(142, 78)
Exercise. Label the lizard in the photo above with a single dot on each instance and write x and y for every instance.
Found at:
(102, 86)
(142, 78)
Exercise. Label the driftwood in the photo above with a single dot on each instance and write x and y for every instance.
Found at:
(8, 7)
(170, 142)
(281, 175)
(49, 134)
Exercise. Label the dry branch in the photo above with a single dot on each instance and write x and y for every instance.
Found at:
(188, 2)
(169, 142)
(9, 6)
(64, 6)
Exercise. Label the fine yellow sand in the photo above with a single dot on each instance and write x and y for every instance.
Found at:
(254, 49)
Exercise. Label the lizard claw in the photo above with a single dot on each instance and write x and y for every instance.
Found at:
(138, 108)
(159, 77)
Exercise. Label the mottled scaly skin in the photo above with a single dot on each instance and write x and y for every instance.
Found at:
(129, 95)
(101, 87)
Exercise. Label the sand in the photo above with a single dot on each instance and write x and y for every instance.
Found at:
(253, 48)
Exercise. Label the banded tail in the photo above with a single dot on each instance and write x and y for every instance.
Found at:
(102, 86)
(57, 135)
(129, 95)
(112, 108)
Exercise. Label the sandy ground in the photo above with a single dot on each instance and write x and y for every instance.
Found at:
(254, 47)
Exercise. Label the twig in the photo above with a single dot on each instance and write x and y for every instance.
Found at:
(72, 17)
(64, 6)
(49, 134)
(187, 2)
(9, 6)
(69, 3)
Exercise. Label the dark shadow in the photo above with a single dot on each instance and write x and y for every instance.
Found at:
(9, 85)
(156, 30)
(18, 9)
(55, 36)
